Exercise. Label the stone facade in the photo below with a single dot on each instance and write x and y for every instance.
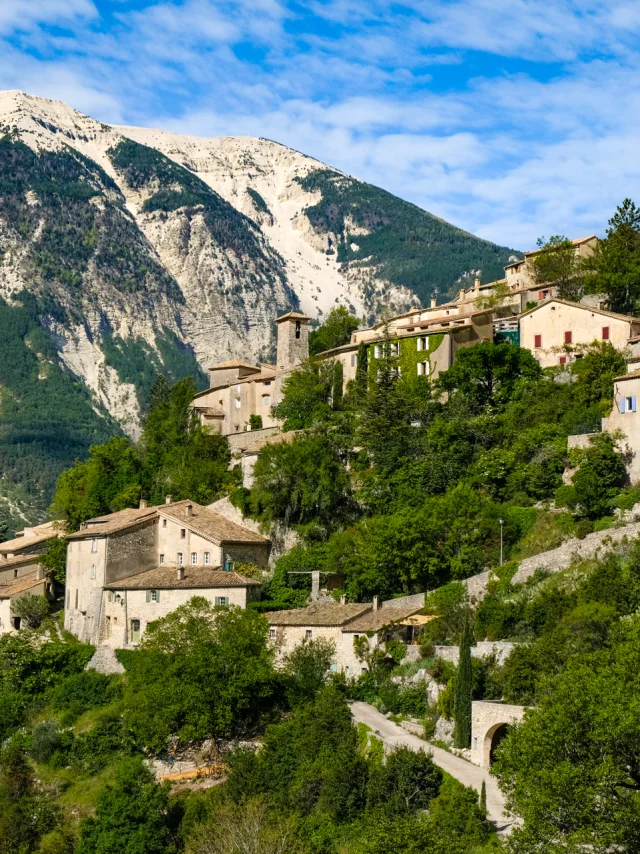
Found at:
(483, 649)
(488, 724)
(625, 419)
(129, 568)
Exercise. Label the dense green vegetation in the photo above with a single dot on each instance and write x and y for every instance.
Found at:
(174, 456)
(401, 490)
(406, 245)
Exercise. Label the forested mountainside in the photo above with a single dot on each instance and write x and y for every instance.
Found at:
(125, 252)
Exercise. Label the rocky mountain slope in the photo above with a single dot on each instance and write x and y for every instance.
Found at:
(128, 251)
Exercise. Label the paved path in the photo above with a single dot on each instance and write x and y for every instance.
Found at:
(468, 774)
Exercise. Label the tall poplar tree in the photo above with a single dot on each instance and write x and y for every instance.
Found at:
(463, 689)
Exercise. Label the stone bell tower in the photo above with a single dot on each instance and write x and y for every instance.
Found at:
(293, 340)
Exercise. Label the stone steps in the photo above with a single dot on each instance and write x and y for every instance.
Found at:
(104, 660)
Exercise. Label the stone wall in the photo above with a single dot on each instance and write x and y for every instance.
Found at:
(483, 649)
(254, 553)
(132, 551)
(238, 442)
(415, 599)
(574, 550)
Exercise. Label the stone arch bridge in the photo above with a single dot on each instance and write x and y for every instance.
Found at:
(490, 723)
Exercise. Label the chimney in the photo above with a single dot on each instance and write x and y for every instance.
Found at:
(143, 504)
(343, 600)
(168, 499)
(180, 573)
(476, 283)
(433, 303)
(376, 603)
(40, 573)
(189, 509)
(462, 294)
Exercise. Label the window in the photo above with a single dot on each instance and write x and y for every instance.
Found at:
(563, 360)
(110, 596)
(395, 349)
(94, 545)
(605, 333)
(376, 352)
(422, 343)
(568, 337)
(161, 558)
(153, 595)
(272, 634)
(207, 558)
(15, 573)
(354, 360)
(423, 369)
(179, 558)
(194, 558)
(628, 404)
(238, 403)
(164, 523)
(228, 565)
(92, 571)
(537, 341)
(222, 601)
(135, 631)
(267, 382)
(183, 533)
(308, 634)
(266, 400)
(298, 328)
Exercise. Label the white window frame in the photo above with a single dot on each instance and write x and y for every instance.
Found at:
(207, 558)
(194, 558)
(92, 571)
(180, 558)
(424, 368)
(94, 544)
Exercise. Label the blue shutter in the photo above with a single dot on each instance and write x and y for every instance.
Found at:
(622, 405)
(633, 404)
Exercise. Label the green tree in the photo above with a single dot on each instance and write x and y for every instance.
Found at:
(464, 688)
(303, 481)
(201, 672)
(334, 332)
(31, 609)
(54, 559)
(362, 371)
(483, 798)
(595, 373)
(308, 666)
(614, 267)
(405, 782)
(557, 263)
(599, 478)
(487, 375)
(132, 816)
(25, 815)
(306, 394)
(338, 383)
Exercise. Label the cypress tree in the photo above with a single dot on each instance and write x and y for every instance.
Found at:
(463, 689)
(338, 379)
(483, 799)
(362, 371)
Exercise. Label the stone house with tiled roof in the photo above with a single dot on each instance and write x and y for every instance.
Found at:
(128, 568)
(342, 624)
(21, 572)
(557, 331)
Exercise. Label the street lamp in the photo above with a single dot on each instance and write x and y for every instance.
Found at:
(501, 524)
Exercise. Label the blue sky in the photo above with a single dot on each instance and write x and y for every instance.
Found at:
(510, 118)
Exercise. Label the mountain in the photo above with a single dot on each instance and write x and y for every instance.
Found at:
(128, 251)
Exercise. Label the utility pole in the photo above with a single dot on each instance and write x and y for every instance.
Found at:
(501, 524)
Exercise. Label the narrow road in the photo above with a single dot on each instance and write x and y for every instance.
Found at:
(469, 775)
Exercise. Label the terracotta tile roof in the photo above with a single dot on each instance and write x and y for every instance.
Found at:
(292, 315)
(19, 586)
(373, 621)
(100, 526)
(627, 317)
(289, 436)
(208, 524)
(233, 363)
(318, 614)
(20, 543)
(19, 560)
(632, 375)
(195, 578)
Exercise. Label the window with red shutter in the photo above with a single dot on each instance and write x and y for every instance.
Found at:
(537, 341)
(563, 360)
(605, 333)
(567, 338)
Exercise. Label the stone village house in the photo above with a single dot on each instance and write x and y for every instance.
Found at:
(21, 573)
(133, 566)
(342, 624)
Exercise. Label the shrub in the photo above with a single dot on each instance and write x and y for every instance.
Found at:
(32, 610)
(79, 692)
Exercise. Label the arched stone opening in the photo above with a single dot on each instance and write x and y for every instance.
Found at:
(494, 736)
